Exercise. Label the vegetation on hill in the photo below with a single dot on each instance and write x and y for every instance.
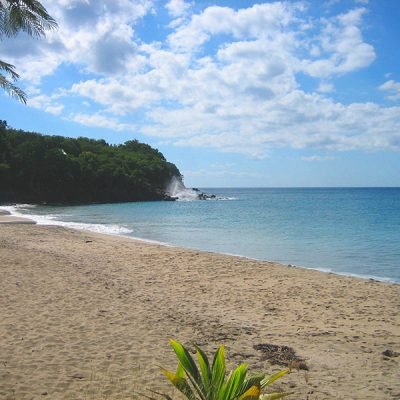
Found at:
(36, 168)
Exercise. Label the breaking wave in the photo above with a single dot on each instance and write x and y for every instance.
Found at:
(177, 190)
(54, 219)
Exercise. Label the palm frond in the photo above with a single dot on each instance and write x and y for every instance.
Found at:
(9, 69)
(12, 90)
(30, 17)
(25, 15)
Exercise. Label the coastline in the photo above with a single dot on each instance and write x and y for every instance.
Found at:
(17, 217)
(87, 315)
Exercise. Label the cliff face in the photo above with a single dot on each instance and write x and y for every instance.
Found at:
(36, 168)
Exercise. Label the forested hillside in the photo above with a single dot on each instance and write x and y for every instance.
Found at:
(36, 168)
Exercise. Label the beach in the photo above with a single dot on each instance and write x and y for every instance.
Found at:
(89, 316)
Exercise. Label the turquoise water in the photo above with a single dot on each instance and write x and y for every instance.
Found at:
(346, 231)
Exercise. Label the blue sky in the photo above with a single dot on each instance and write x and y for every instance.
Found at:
(235, 93)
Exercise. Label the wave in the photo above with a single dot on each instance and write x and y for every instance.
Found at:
(177, 190)
(324, 270)
(225, 198)
(349, 274)
(55, 219)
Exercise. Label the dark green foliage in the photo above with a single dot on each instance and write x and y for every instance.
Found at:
(36, 168)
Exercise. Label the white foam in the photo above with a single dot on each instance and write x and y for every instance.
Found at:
(53, 219)
(224, 198)
(349, 274)
(179, 191)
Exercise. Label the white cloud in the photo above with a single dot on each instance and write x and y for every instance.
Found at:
(330, 3)
(221, 170)
(100, 121)
(317, 158)
(49, 104)
(297, 120)
(97, 38)
(326, 87)
(223, 79)
(245, 97)
(392, 89)
(341, 45)
(260, 20)
(54, 109)
(178, 8)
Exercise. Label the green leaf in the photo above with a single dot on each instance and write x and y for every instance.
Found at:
(186, 360)
(205, 369)
(254, 380)
(270, 379)
(234, 383)
(218, 370)
(180, 383)
(180, 371)
(190, 367)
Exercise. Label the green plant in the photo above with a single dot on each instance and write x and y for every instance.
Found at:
(209, 382)
(28, 16)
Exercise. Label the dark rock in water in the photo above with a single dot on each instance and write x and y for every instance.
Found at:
(169, 198)
(204, 196)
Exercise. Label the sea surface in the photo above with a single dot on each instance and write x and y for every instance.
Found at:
(346, 231)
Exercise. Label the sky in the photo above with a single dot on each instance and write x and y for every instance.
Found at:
(235, 93)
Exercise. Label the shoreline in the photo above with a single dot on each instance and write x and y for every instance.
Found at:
(85, 311)
(70, 225)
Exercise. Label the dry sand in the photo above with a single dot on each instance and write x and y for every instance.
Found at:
(88, 316)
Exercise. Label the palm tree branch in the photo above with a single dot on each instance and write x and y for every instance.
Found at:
(11, 89)
(26, 15)
(9, 69)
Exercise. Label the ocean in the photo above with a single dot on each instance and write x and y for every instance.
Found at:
(349, 231)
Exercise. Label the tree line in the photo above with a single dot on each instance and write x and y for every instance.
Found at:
(37, 168)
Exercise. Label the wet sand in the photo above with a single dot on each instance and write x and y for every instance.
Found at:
(88, 316)
(11, 219)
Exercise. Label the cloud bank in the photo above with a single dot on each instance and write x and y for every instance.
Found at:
(215, 77)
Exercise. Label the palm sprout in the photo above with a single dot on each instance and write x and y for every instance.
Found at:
(209, 381)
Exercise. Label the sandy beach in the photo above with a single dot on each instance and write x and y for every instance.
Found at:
(88, 316)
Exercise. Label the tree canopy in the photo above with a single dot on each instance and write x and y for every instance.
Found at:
(37, 168)
(28, 16)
